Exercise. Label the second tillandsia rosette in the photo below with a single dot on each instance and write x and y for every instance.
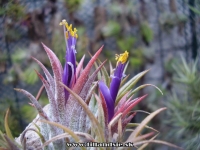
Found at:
(84, 106)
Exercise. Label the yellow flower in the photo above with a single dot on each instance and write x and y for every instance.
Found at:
(69, 31)
(122, 57)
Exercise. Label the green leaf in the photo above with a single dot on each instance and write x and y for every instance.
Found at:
(105, 74)
(8, 132)
(194, 10)
(146, 144)
(137, 124)
(143, 86)
(129, 85)
(142, 125)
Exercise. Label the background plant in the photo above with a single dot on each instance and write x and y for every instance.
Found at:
(184, 109)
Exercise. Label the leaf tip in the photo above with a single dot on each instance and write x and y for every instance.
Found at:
(16, 89)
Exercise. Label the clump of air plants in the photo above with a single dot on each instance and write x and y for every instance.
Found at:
(84, 106)
(183, 107)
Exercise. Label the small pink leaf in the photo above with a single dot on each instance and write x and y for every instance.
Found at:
(84, 75)
(122, 101)
(55, 62)
(80, 66)
(88, 84)
(122, 106)
(132, 105)
(105, 109)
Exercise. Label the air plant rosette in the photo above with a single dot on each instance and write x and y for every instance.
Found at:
(84, 106)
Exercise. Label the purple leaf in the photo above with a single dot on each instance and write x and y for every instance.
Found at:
(59, 90)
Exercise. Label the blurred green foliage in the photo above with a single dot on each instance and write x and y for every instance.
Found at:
(184, 106)
(21, 70)
(112, 28)
(73, 5)
(126, 43)
(169, 20)
(14, 123)
(195, 9)
(27, 114)
(120, 23)
(12, 9)
(12, 34)
(3, 57)
(14, 12)
(146, 32)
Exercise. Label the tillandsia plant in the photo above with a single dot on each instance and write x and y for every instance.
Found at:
(82, 111)
(183, 114)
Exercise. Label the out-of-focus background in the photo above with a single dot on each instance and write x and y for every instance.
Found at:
(161, 35)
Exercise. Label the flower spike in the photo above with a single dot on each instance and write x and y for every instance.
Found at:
(69, 75)
(110, 94)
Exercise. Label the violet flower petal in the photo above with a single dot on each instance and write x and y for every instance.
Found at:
(70, 65)
(109, 101)
(114, 87)
(116, 80)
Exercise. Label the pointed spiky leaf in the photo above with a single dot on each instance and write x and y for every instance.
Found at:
(79, 67)
(101, 115)
(143, 124)
(129, 85)
(113, 123)
(143, 86)
(137, 124)
(105, 74)
(8, 132)
(89, 95)
(146, 144)
(35, 103)
(133, 104)
(59, 90)
(53, 107)
(96, 126)
(84, 124)
(67, 130)
(89, 82)
(84, 75)
(47, 74)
